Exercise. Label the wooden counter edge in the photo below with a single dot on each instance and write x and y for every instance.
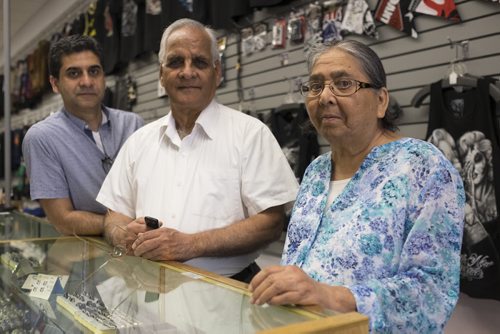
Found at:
(343, 323)
(347, 323)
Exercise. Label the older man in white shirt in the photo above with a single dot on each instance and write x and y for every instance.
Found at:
(216, 178)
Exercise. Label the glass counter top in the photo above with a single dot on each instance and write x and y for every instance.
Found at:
(18, 225)
(103, 291)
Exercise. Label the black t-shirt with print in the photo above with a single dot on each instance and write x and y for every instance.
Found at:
(107, 26)
(463, 126)
(131, 29)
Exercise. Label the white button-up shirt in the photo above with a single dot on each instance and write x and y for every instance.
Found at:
(229, 168)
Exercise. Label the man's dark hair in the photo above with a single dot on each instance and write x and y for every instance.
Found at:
(69, 45)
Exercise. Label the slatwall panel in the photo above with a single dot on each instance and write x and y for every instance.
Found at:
(410, 64)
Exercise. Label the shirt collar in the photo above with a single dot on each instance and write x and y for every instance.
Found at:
(206, 122)
(207, 119)
(81, 124)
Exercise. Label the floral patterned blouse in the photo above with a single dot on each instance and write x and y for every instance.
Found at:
(393, 236)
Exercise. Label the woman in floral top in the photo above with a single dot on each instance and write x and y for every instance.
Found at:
(377, 224)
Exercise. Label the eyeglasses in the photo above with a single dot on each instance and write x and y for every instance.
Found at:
(107, 162)
(340, 87)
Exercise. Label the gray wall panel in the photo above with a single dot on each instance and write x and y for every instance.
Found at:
(410, 64)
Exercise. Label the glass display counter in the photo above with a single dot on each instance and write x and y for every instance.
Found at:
(82, 285)
(18, 225)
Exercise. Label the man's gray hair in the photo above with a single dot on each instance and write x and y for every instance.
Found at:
(188, 23)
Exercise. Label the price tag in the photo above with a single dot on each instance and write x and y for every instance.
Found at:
(28, 284)
(42, 286)
(453, 78)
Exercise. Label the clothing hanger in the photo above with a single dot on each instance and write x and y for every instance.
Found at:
(286, 107)
(457, 76)
(464, 81)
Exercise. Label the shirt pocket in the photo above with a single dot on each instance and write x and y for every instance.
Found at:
(218, 195)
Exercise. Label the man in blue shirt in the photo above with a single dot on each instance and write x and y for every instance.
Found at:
(69, 154)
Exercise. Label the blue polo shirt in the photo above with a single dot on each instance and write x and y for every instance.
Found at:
(63, 160)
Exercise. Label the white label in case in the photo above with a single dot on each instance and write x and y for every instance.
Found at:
(43, 285)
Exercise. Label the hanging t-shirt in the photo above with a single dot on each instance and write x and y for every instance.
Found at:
(107, 32)
(16, 153)
(132, 29)
(463, 125)
(89, 17)
(2, 96)
(224, 14)
(300, 146)
(2, 155)
(42, 66)
(77, 27)
(155, 23)
(176, 9)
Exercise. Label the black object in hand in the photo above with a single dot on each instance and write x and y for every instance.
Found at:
(151, 222)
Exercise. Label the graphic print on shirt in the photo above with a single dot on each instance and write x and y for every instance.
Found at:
(108, 21)
(153, 7)
(472, 157)
(468, 116)
(129, 18)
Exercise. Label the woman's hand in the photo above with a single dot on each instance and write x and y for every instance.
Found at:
(277, 285)
(284, 285)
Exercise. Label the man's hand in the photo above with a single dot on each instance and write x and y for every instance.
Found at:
(164, 244)
(133, 229)
(116, 232)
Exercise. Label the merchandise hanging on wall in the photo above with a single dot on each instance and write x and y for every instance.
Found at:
(247, 41)
(332, 22)
(358, 19)
(470, 138)
(221, 46)
(442, 8)
(132, 30)
(299, 142)
(401, 14)
(398, 15)
(125, 93)
(260, 36)
(463, 125)
(279, 34)
(107, 32)
(296, 27)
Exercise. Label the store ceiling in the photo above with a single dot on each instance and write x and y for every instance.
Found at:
(33, 20)
(21, 12)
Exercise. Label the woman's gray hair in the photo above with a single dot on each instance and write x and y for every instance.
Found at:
(188, 23)
(370, 63)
